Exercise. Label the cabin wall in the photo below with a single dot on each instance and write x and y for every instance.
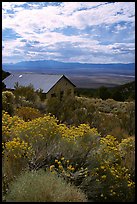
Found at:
(62, 88)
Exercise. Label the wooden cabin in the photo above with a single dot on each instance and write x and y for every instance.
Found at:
(51, 85)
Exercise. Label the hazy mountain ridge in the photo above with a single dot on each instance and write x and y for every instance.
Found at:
(45, 64)
(81, 74)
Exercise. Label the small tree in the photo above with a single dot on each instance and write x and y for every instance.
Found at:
(103, 93)
(3, 86)
(25, 94)
(8, 102)
(116, 95)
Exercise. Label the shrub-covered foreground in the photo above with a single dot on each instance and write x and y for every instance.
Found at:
(102, 167)
(108, 116)
(40, 186)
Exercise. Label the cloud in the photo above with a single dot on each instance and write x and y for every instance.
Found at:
(105, 14)
(11, 5)
(122, 48)
(45, 29)
(53, 17)
(120, 27)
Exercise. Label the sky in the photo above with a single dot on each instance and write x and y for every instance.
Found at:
(86, 32)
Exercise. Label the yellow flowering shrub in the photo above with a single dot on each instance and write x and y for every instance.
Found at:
(39, 133)
(8, 125)
(108, 177)
(77, 141)
(16, 156)
(69, 170)
(127, 152)
(79, 154)
(115, 183)
(43, 131)
(72, 132)
(28, 113)
(40, 129)
(108, 149)
(25, 141)
(17, 148)
(63, 165)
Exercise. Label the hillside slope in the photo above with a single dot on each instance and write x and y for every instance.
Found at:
(119, 93)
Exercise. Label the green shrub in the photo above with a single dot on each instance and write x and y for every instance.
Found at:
(26, 96)
(54, 107)
(43, 186)
(119, 133)
(103, 92)
(127, 150)
(65, 110)
(8, 102)
(127, 118)
(3, 86)
(105, 122)
(12, 167)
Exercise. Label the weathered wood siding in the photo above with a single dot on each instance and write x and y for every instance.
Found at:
(62, 88)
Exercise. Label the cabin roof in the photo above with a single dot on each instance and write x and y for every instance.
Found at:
(39, 81)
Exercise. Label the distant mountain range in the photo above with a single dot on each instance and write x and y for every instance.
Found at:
(51, 65)
(82, 74)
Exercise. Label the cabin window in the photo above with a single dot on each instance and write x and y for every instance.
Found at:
(69, 92)
(53, 95)
(61, 95)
